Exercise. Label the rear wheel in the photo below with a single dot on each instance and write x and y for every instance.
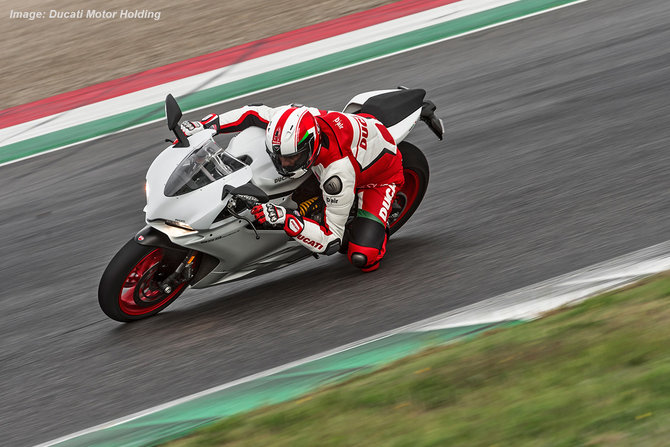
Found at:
(408, 199)
(129, 288)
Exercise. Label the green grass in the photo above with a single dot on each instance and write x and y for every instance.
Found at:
(597, 374)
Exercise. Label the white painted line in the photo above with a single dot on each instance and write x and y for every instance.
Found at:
(209, 106)
(532, 301)
(526, 303)
(264, 64)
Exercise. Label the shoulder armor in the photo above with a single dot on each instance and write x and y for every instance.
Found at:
(333, 185)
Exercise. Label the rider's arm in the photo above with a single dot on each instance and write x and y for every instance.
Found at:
(258, 115)
(232, 121)
(244, 117)
(338, 186)
(236, 120)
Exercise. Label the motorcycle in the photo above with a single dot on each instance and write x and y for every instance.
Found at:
(199, 230)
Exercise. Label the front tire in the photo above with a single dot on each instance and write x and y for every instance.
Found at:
(129, 289)
(408, 199)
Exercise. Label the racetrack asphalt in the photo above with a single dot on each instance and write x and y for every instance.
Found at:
(555, 158)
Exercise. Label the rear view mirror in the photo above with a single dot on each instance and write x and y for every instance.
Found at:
(173, 115)
(172, 112)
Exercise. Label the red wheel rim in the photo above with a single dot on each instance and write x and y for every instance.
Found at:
(140, 284)
(408, 193)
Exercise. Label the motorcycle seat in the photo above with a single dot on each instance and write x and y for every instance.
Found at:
(392, 107)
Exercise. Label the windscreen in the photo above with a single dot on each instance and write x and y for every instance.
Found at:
(200, 168)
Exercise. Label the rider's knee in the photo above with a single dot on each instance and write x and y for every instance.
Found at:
(358, 259)
(367, 244)
(365, 258)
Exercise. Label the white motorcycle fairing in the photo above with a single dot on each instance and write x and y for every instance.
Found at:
(398, 131)
(196, 218)
(200, 231)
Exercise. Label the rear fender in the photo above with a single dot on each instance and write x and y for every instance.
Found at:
(432, 121)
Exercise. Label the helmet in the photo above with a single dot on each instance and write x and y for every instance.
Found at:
(292, 140)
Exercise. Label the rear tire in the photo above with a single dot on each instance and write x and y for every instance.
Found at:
(128, 288)
(408, 199)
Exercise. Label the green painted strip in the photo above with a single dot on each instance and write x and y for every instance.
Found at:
(137, 436)
(266, 80)
(292, 383)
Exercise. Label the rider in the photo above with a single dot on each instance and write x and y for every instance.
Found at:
(349, 155)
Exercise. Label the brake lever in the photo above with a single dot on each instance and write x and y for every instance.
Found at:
(232, 203)
(249, 201)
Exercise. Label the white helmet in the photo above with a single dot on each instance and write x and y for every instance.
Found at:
(292, 140)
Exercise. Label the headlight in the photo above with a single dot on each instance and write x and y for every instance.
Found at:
(182, 225)
(146, 190)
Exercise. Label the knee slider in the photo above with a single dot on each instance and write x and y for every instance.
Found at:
(358, 260)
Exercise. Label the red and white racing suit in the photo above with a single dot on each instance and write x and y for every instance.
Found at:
(357, 156)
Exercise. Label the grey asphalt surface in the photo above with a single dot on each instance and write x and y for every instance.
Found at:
(556, 157)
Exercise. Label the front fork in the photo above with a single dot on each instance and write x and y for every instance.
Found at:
(183, 273)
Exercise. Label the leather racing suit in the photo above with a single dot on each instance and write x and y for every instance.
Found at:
(357, 156)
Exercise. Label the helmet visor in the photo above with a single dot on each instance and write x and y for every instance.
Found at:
(294, 162)
(286, 164)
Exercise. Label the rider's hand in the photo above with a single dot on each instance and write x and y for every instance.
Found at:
(275, 215)
(191, 127)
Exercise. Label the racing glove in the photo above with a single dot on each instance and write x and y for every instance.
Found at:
(191, 127)
(277, 216)
(274, 215)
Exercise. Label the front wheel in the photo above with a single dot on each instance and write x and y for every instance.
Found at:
(129, 288)
(408, 199)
